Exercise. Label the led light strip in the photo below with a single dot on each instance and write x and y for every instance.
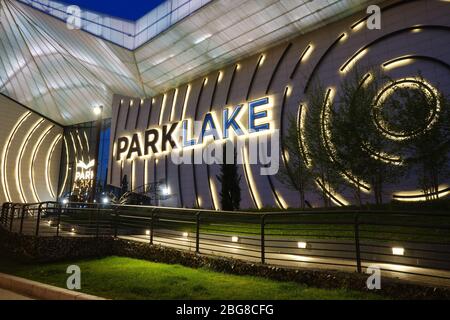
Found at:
(133, 174)
(163, 107)
(301, 119)
(303, 57)
(75, 149)
(33, 157)
(337, 199)
(67, 168)
(48, 165)
(384, 93)
(347, 66)
(383, 156)
(215, 198)
(145, 173)
(6, 152)
(87, 142)
(250, 180)
(326, 136)
(81, 145)
(186, 99)
(174, 104)
(212, 188)
(444, 191)
(19, 159)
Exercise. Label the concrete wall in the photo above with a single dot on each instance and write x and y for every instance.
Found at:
(247, 80)
(30, 147)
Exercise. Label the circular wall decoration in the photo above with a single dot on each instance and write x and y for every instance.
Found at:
(430, 101)
(388, 115)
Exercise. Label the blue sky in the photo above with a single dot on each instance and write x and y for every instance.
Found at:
(127, 9)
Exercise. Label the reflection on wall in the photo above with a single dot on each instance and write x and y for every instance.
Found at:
(78, 159)
(30, 147)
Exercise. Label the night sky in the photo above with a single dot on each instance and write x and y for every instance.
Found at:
(126, 9)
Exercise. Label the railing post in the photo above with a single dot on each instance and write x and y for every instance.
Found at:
(38, 220)
(5, 213)
(357, 244)
(22, 217)
(152, 226)
(116, 220)
(2, 218)
(263, 242)
(197, 233)
(96, 221)
(12, 217)
(59, 219)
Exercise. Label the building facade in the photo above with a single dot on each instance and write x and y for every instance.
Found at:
(402, 49)
(202, 68)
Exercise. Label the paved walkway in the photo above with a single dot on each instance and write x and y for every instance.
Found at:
(8, 295)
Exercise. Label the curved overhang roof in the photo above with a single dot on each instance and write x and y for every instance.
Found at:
(62, 73)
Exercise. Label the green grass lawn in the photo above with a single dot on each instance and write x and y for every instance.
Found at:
(124, 278)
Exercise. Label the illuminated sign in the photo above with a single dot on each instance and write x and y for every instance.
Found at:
(84, 171)
(189, 134)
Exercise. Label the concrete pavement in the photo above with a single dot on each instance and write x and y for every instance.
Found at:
(9, 295)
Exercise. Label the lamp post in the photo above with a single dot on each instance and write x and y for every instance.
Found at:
(98, 111)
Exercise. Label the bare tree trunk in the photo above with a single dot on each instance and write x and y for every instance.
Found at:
(324, 194)
(302, 200)
(358, 192)
(301, 190)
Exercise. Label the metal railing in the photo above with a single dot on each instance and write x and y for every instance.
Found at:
(406, 243)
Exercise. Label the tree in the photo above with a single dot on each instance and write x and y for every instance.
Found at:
(295, 174)
(360, 148)
(230, 181)
(321, 165)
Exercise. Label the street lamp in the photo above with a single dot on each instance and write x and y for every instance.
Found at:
(165, 191)
(98, 111)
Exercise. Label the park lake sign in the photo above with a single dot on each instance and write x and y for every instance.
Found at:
(216, 126)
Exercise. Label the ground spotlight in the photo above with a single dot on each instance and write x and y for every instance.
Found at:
(234, 239)
(302, 245)
(147, 232)
(398, 251)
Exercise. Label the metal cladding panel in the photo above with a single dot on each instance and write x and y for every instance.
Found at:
(63, 73)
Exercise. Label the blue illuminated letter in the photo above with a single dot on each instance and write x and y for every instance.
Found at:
(186, 142)
(212, 131)
(231, 122)
(253, 116)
